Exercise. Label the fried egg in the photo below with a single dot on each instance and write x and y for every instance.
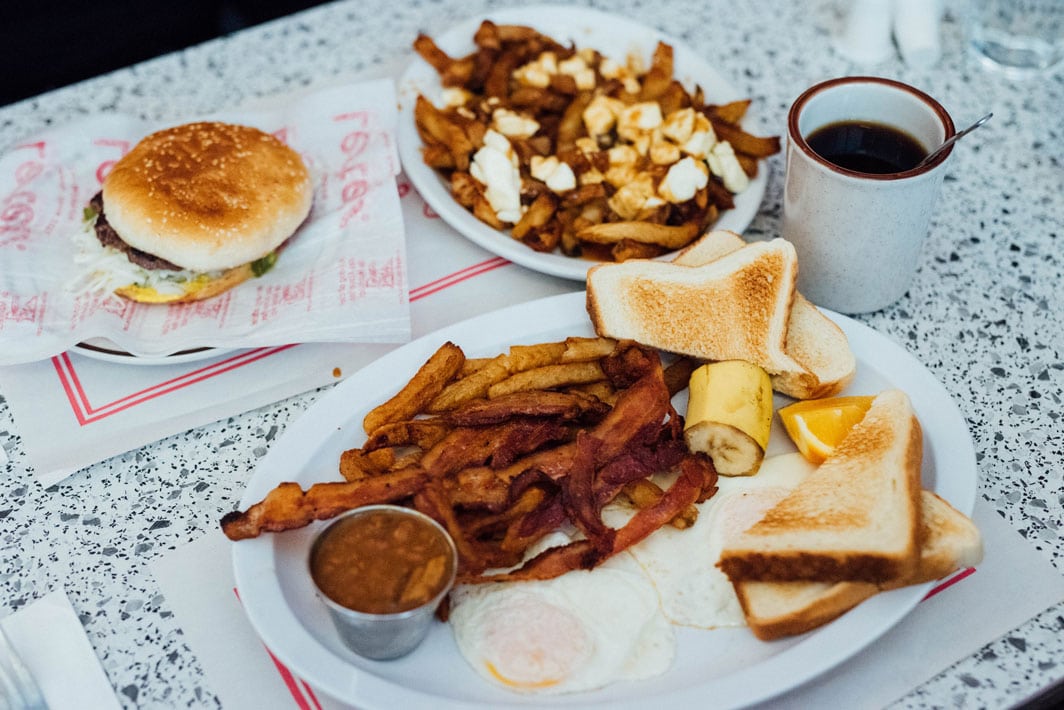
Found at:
(577, 632)
(682, 564)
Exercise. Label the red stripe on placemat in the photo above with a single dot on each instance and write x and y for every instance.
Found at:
(290, 682)
(86, 413)
(947, 583)
(288, 677)
(457, 277)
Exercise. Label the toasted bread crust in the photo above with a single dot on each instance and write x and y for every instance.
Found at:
(831, 601)
(856, 518)
(950, 541)
(736, 307)
(814, 341)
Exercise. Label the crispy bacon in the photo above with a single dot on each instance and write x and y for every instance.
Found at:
(584, 554)
(500, 474)
(287, 506)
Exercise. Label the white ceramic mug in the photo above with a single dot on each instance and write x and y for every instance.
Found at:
(858, 235)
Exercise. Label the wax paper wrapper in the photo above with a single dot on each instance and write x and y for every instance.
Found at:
(340, 278)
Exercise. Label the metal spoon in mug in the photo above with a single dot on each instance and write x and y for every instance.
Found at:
(952, 139)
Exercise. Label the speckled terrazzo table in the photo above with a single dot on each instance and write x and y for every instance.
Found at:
(985, 314)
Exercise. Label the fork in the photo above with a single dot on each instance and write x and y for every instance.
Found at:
(18, 689)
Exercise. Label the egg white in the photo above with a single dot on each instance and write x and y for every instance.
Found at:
(577, 632)
(682, 563)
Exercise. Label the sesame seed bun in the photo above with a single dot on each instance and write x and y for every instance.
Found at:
(208, 196)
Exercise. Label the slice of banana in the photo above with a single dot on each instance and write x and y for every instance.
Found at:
(729, 415)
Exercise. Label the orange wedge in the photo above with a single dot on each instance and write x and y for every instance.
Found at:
(817, 426)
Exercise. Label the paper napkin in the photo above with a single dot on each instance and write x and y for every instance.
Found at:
(52, 643)
(340, 278)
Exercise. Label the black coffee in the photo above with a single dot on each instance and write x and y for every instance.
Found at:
(866, 147)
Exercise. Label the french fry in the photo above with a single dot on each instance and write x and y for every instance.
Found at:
(678, 374)
(356, 464)
(744, 142)
(578, 349)
(732, 112)
(549, 377)
(659, 76)
(537, 215)
(431, 53)
(422, 433)
(465, 188)
(472, 364)
(671, 237)
(483, 211)
(748, 163)
(644, 493)
(628, 249)
(527, 357)
(471, 387)
(428, 382)
(437, 127)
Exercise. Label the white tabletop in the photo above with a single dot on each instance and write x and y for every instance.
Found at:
(985, 314)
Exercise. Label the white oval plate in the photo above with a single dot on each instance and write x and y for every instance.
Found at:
(729, 666)
(613, 36)
(105, 350)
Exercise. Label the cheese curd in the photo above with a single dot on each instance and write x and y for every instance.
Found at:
(558, 176)
(538, 72)
(632, 197)
(512, 124)
(576, 67)
(683, 180)
(600, 115)
(702, 138)
(725, 165)
(496, 167)
(635, 120)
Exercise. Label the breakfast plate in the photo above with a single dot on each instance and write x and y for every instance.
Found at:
(613, 36)
(728, 665)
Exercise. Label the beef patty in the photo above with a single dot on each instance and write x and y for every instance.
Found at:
(109, 238)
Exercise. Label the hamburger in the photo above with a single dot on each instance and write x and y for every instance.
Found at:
(194, 210)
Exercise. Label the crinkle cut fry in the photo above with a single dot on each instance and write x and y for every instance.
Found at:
(287, 506)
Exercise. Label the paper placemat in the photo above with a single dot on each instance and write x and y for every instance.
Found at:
(72, 411)
(197, 581)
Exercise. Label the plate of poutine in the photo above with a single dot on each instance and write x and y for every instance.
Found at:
(727, 664)
(559, 137)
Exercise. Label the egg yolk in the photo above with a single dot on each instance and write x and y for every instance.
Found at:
(534, 644)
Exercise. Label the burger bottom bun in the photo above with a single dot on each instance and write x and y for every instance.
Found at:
(196, 290)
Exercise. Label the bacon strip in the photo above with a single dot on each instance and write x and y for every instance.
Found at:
(287, 506)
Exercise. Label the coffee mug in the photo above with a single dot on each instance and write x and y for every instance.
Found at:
(858, 233)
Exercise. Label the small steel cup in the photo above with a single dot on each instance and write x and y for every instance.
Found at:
(384, 636)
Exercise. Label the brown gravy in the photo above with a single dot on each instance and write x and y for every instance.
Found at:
(381, 562)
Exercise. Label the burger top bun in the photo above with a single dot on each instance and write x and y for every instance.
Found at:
(208, 196)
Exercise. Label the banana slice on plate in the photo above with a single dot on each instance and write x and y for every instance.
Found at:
(729, 415)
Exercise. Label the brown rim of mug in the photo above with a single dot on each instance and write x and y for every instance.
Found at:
(799, 139)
